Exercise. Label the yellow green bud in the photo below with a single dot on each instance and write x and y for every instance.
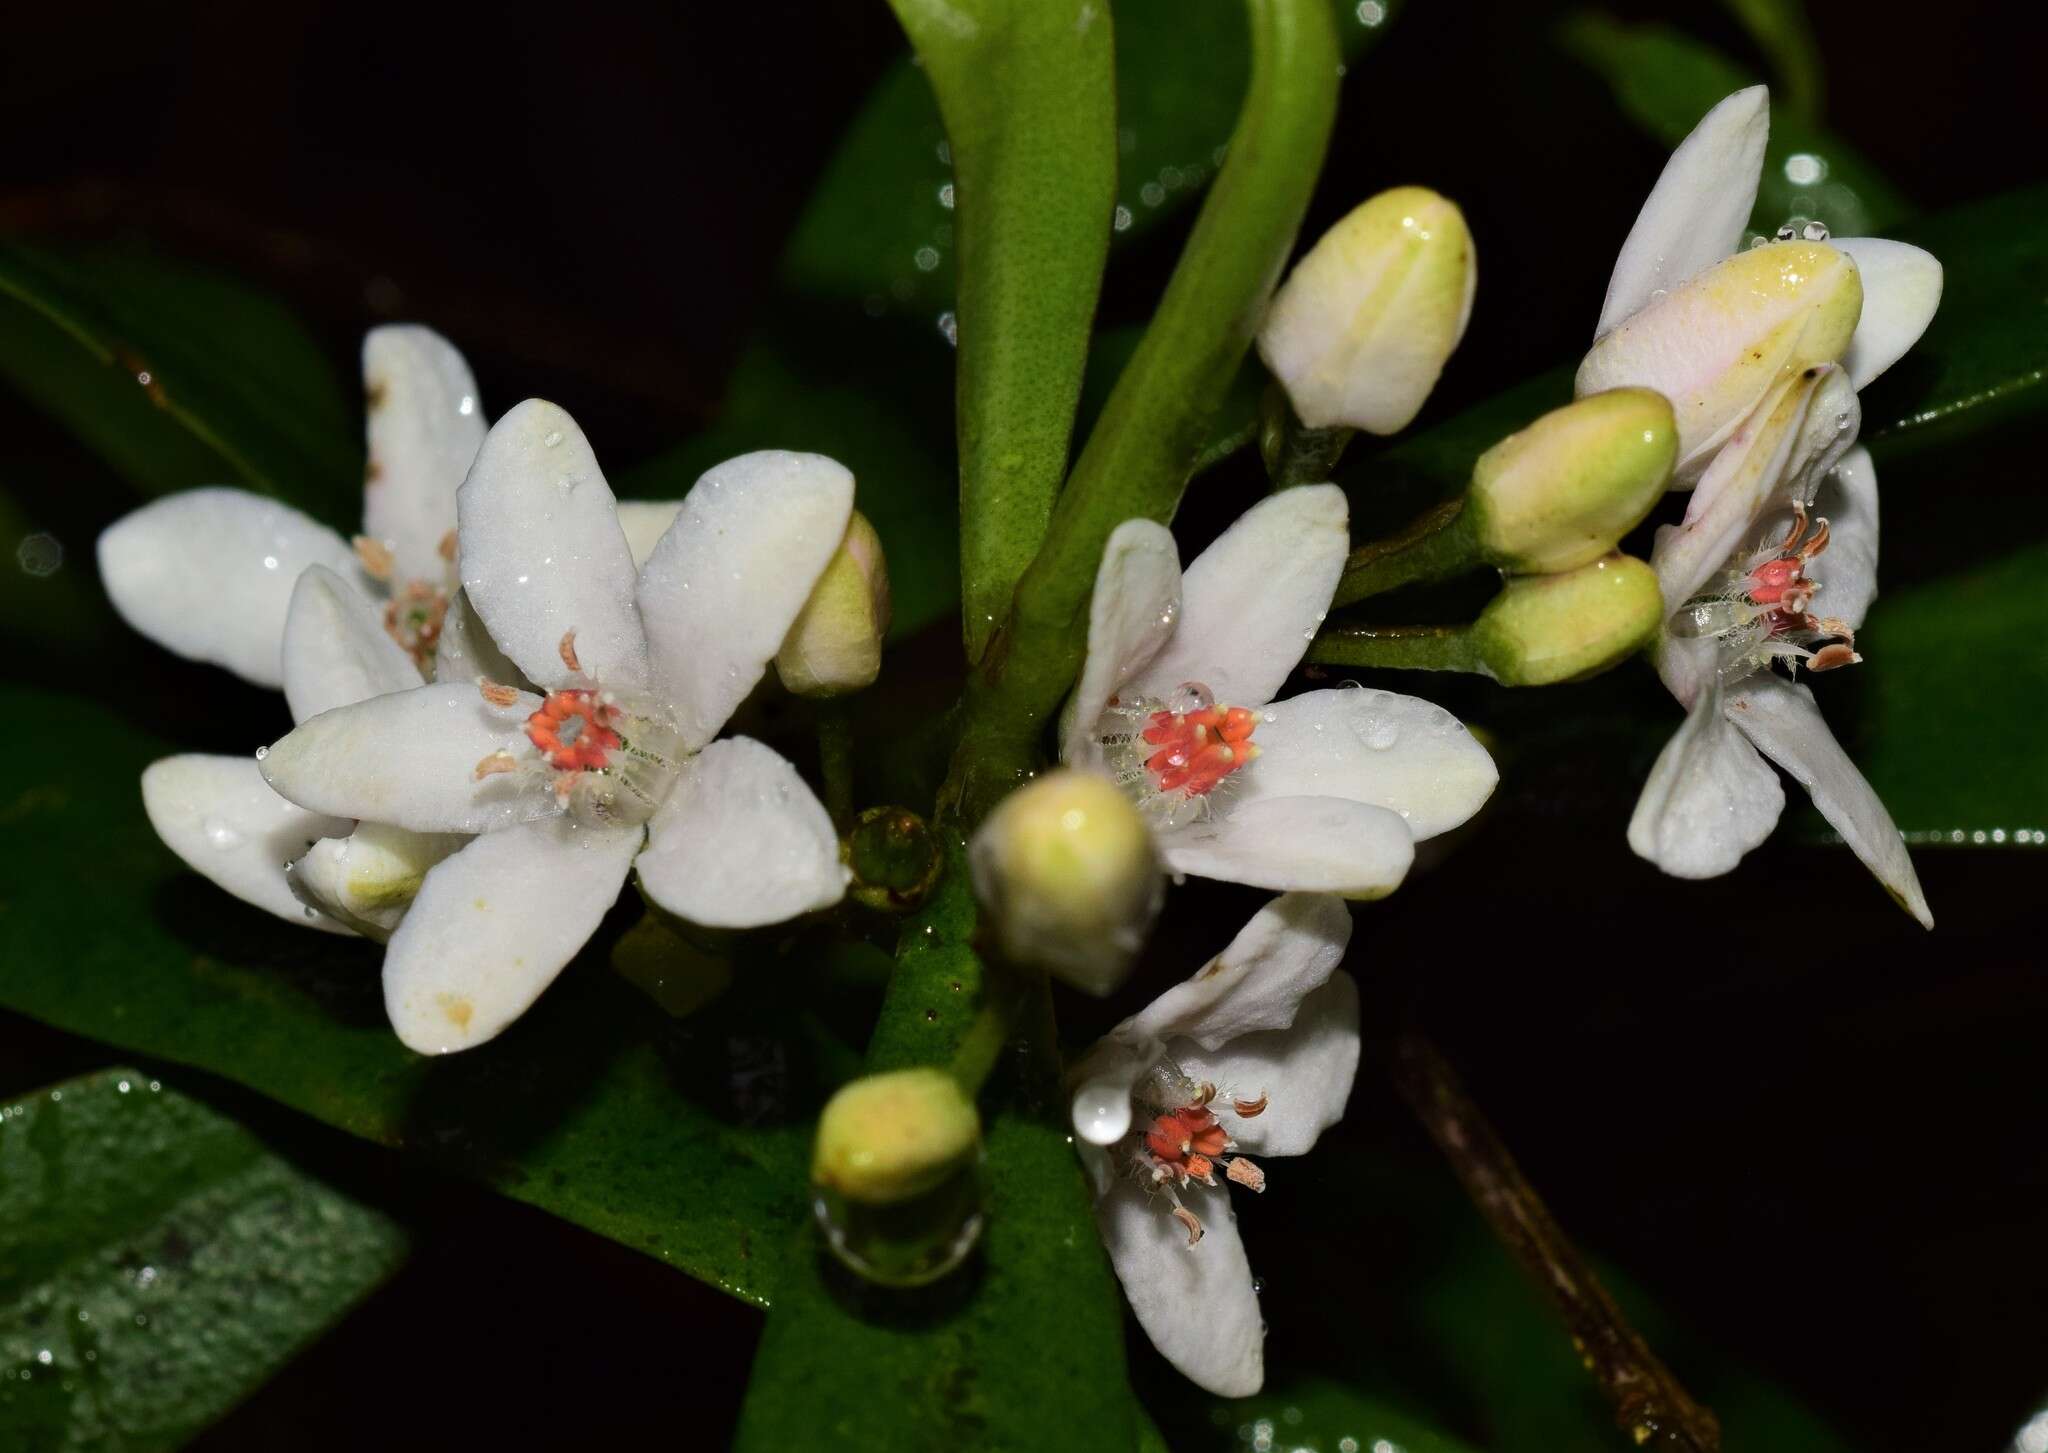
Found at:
(890, 1137)
(1542, 629)
(1363, 325)
(1562, 491)
(1717, 343)
(835, 646)
(369, 878)
(1067, 871)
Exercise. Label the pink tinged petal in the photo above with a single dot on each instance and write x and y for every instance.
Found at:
(1901, 290)
(1196, 1303)
(336, 650)
(1786, 726)
(1696, 213)
(425, 422)
(1709, 800)
(1847, 569)
(741, 842)
(1131, 615)
(494, 924)
(1310, 844)
(410, 759)
(218, 815)
(1738, 489)
(1398, 752)
(728, 580)
(1251, 602)
(1303, 1072)
(645, 521)
(464, 651)
(1288, 951)
(543, 554)
(209, 574)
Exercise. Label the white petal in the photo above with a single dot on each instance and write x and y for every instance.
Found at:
(645, 521)
(1314, 844)
(1709, 800)
(1304, 1073)
(1847, 569)
(542, 553)
(1398, 752)
(1695, 214)
(1787, 727)
(218, 815)
(426, 422)
(209, 574)
(727, 581)
(410, 759)
(336, 650)
(1196, 1303)
(1736, 491)
(1288, 950)
(370, 878)
(464, 651)
(1901, 290)
(1130, 616)
(1251, 602)
(741, 842)
(494, 924)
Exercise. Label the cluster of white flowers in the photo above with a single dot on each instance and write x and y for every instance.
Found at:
(507, 693)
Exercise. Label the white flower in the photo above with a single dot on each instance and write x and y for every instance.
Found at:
(1775, 561)
(1254, 1055)
(610, 761)
(1326, 791)
(1716, 329)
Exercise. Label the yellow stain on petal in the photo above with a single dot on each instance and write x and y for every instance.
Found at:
(458, 1009)
(482, 906)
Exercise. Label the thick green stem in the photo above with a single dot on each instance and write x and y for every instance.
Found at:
(1028, 93)
(1399, 648)
(1437, 546)
(835, 760)
(1152, 430)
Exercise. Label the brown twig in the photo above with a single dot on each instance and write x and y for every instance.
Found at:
(1649, 1403)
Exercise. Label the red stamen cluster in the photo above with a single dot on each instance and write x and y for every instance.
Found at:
(586, 720)
(1185, 1144)
(1782, 585)
(1196, 750)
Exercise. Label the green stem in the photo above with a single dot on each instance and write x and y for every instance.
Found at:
(1437, 546)
(1144, 447)
(1399, 648)
(835, 760)
(1293, 452)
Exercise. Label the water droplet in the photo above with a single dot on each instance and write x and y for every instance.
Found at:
(222, 834)
(1376, 731)
(262, 752)
(552, 438)
(39, 555)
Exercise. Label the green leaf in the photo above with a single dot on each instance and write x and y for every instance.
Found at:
(1297, 1411)
(1665, 81)
(178, 377)
(679, 1139)
(158, 1263)
(1784, 34)
(1030, 108)
(1983, 362)
(880, 232)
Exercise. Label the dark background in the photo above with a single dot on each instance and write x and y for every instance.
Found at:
(1816, 1134)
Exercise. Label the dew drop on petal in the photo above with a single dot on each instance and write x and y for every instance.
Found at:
(221, 833)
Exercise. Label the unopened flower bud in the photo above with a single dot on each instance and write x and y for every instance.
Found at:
(1561, 492)
(1542, 629)
(1067, 871)
(835, 646)
(1363, 325)
(368, 879)
(1716, 344)
(896, 1174)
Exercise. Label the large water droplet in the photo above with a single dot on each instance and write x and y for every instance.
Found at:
(1102, 1113)
(905, 1243)
(1376, 731)
(221, 833)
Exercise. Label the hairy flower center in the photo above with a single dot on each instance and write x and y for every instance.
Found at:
(573, 730)
(1186, 1141)
(1762, 609)
(1172, 755)
(413, 618)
